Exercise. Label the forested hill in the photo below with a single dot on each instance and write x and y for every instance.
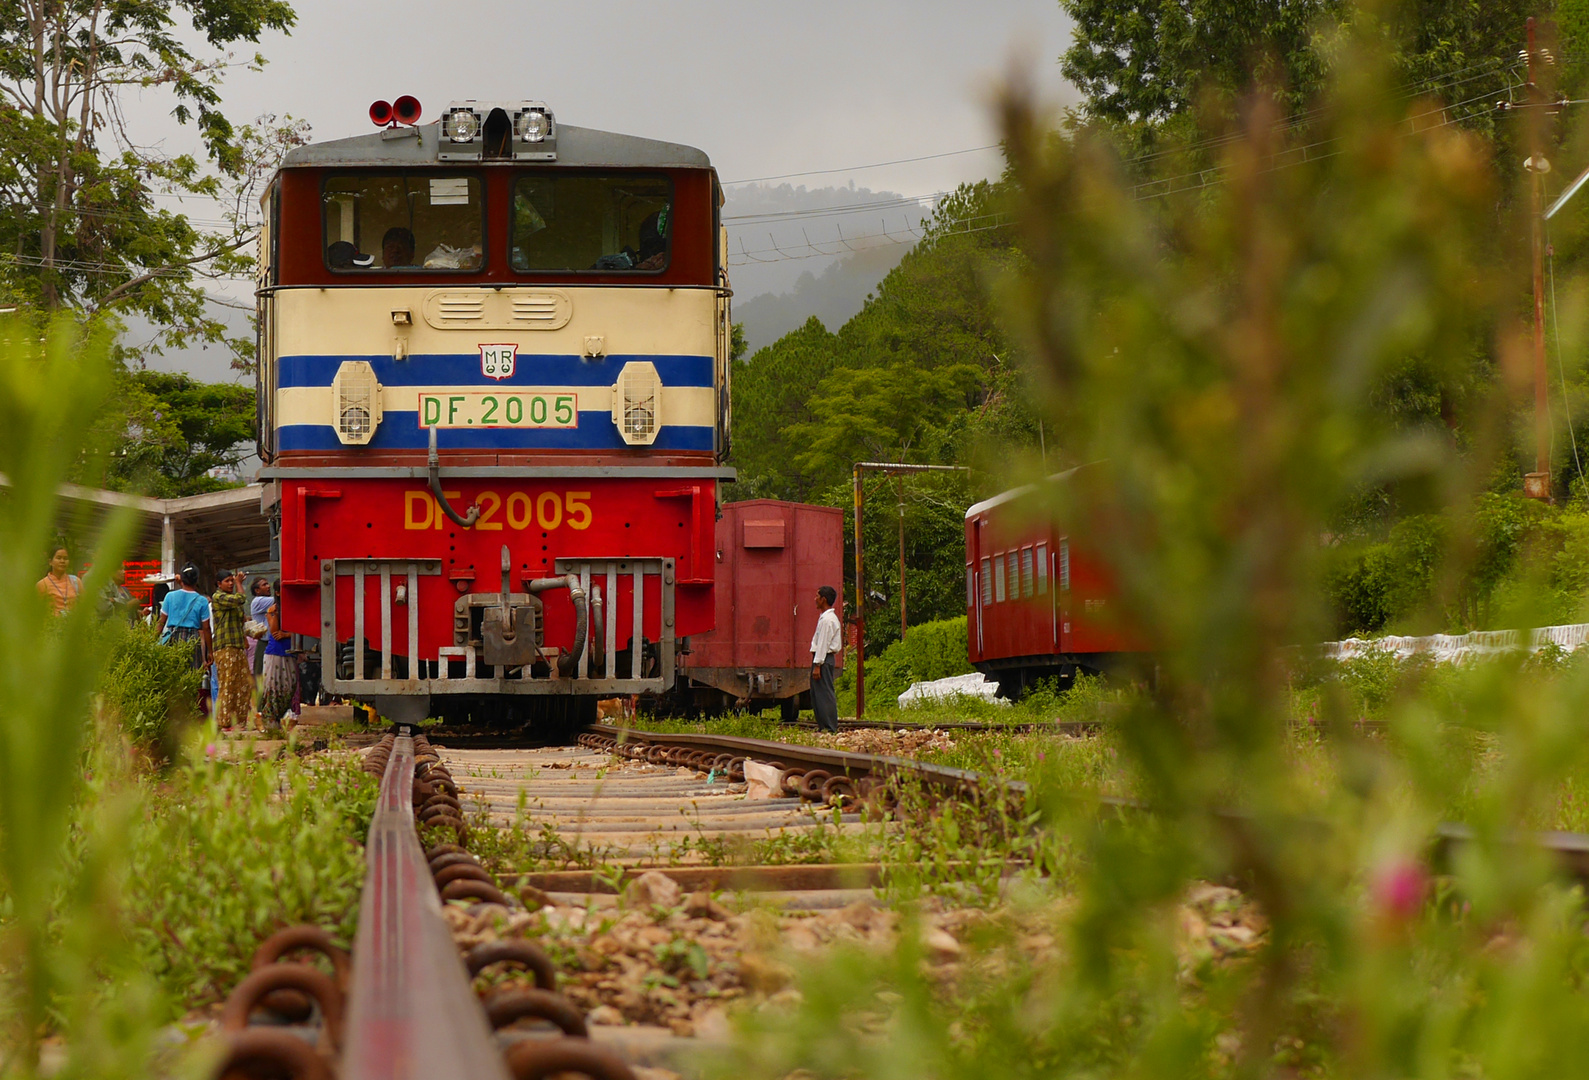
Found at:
(923, 373)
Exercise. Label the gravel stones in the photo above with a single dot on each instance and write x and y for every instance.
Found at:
(684, 962)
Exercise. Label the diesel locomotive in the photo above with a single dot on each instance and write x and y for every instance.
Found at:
(493, 408)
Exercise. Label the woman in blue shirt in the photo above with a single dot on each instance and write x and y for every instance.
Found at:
(185, 615)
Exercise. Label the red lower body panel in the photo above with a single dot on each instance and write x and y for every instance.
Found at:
(539, 521)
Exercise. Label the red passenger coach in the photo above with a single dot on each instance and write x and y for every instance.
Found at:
(1035, 607)
(493, 409)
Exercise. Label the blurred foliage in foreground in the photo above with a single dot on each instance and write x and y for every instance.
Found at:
(1221, 358)
(126, 897)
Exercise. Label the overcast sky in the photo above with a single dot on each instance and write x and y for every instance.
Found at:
(766, 89)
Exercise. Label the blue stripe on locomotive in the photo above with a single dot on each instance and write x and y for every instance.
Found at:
(463, 369)
(401, 431)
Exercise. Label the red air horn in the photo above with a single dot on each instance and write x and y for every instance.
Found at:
(406, 109)
(381, 113)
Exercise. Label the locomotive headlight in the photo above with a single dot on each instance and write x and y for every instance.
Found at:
(356, 397)
(637, 403)
(533, 125)
(462, 125)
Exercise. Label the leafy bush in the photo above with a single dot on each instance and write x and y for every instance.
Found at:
(1374, 585)
(932, 650)
(230, 853)
(148, 688)
(1529, 564)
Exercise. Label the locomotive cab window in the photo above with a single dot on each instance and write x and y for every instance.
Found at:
(397, 222)
(574, 223)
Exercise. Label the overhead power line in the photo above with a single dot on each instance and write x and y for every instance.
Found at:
(741, 220)
(858, 168)
(1153, 189)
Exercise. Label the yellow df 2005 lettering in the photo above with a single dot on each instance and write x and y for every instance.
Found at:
(521, 511)
(418, 508)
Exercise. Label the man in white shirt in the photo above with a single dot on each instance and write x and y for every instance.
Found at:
(825, 644)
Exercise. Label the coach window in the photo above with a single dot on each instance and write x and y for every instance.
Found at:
(401, 222)
(998, 577)
(571, 223)
(987, 582)
(1042, 569)
(1026, 572)
(1064, 566)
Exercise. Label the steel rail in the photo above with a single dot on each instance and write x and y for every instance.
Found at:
(411, 1013)
(1568, 850)
(817, 757)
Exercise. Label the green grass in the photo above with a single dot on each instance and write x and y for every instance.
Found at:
(224, 854)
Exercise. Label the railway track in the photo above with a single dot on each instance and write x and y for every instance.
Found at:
(657, 823)
(632, 813)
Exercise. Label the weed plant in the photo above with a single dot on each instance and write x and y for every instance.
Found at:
(150, 689)
(126, 896)
(1228, 363)
(227, 853)
(58, 870)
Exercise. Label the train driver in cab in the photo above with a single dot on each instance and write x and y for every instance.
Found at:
(397, 248)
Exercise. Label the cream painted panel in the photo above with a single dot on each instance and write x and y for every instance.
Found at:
(692, 406)
(358, 322)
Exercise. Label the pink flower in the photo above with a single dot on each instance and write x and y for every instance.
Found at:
(211, 750)
(1399, 888)
(1040, 756)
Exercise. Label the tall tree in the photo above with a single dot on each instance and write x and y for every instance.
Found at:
(180, 431)
(1168, 71)
(80, 228)
(1142, 62)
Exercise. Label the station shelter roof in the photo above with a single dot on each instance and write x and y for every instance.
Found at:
(216, 530)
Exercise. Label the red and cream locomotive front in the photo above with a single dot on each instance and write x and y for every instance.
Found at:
(493, 404)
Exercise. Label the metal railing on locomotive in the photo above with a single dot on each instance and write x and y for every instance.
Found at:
(498, 642)
(858, 616)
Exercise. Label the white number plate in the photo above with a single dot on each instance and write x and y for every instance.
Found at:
(506, 410)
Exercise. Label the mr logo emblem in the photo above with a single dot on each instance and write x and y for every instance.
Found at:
(498, 361)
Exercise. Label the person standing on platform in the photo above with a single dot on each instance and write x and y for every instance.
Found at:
(184, 617)
(63, 588)
(825, 645)
(281, 667)
(259, 601)
(234, 683)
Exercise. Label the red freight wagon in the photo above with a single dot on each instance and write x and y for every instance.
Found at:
(1035, 608)
(771, 557)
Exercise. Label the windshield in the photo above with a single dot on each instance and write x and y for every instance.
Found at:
(396, 222)
(608, 224)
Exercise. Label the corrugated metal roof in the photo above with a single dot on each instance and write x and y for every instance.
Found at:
(575, 146)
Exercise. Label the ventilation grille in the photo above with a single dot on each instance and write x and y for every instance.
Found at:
(490, 309)
(454, 309)
(637, 403)
(358, 402)
(536, 308)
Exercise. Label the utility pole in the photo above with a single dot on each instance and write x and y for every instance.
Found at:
(1536, 485)
(858, 617)
(901, 484)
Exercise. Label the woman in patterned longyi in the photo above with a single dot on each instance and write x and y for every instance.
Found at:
(281, 668)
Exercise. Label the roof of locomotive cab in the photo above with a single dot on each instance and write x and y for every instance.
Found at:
(576, 146)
